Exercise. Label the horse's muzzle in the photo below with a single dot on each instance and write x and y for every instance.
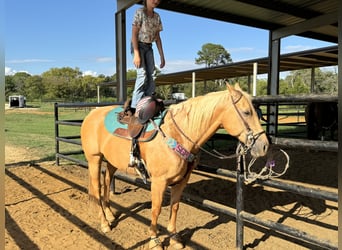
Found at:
(260, 145)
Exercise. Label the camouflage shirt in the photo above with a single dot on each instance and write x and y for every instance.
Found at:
(148, 26)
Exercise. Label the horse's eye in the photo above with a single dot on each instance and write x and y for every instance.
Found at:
(247, 113)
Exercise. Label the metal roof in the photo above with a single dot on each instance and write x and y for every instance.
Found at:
(293, 61)
(315, 19)
(309, 18)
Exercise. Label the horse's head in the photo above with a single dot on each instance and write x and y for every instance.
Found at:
(241, 121)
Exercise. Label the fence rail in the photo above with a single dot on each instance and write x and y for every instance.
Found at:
(239, 213)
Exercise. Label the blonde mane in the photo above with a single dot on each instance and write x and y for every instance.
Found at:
(196, 113)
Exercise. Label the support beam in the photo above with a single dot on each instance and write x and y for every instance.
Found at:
(193, 84)
(339, 164)
(125, 4)
(312, 85)
(255, 72)
(121, 66)
(249, 82)
(273, 84)
(98, 93)
(306, 25)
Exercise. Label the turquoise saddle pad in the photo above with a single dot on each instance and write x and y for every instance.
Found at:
(111, 121)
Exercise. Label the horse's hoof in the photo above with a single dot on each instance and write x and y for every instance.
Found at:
(105, 228)
(156, 244)
(110, 217)
(176, 241)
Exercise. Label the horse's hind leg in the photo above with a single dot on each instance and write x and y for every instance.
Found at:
(106, 195)
(94, 170)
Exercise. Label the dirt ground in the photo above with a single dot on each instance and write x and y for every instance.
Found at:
(47, 207)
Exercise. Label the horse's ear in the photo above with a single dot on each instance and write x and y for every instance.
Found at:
(237, 86)
(229, 87)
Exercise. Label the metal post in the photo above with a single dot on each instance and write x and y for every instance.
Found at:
(273, 85)
(193, 84)
(340, 123)
(112, 185)
(56, 133)
(239, 203)
(121, 67)
(98, 93)
(255, 72)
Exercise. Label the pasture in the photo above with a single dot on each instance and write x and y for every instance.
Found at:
(47, 206)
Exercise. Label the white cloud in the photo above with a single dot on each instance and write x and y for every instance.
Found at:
(180, 65)
(89, 73)
(174, 66)
(296, 48)
(18, 61)
(104, 59)
(9, 71)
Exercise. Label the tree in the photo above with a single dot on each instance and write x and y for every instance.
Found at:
(213, 55)
(34, 88)
(19, 82)
(61, 83)
(261, 87)
(299, 82)
(325, 82)
(164, 91)
(10, 87)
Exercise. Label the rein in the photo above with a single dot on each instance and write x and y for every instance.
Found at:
(265, 173)
(250, 138)
(241, 151)
(215, 154)
(174, 145)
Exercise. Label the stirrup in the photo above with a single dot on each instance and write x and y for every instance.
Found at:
(141, 170)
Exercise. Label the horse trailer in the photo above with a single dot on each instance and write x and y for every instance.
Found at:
(17, 101)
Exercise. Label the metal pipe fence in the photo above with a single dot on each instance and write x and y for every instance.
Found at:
(240, 215)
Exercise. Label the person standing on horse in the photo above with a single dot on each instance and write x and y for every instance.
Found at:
(145, 30)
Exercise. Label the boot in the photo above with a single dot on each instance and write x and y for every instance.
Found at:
(125, 115)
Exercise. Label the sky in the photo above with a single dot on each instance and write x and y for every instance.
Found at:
(41, 34)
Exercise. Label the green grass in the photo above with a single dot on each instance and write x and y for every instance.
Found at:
(34, 130)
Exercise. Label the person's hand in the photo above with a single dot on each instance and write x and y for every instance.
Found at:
(137, 60)
(162, 62)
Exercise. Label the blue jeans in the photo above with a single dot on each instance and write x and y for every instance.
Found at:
(144, 83)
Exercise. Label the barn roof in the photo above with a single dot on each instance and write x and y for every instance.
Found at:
(265, 14)
(293, 61)
(308, 18)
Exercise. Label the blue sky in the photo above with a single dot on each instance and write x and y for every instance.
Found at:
(43, 34)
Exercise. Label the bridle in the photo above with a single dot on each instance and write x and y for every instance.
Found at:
(250, 136)
(243, 148)
(241, 151)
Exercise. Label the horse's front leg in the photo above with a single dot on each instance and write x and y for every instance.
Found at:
(158, 188)
(176, 193)
(109, 174)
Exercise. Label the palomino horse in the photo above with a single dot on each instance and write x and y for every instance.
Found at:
(189, 125)
(321, 117)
